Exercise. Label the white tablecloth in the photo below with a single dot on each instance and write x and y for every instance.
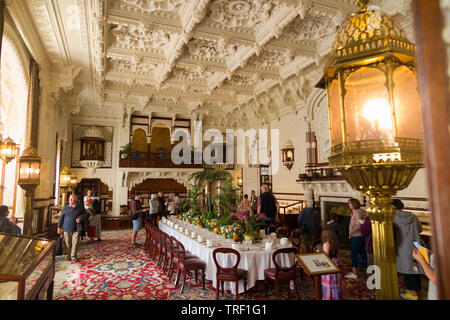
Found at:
(255, 261)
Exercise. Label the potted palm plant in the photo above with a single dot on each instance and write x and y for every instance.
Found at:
(126, 149)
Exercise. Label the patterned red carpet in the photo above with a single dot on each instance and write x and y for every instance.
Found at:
(113, 270)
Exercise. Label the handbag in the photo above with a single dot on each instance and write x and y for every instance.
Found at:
(58, 247)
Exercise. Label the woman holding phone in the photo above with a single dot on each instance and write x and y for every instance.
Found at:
(429, 272)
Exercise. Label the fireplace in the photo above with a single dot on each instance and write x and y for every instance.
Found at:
(343, 215)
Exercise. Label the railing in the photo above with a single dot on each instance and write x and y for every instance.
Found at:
(318, 174)
(151, 160)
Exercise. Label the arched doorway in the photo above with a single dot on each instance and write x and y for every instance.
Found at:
(160, 145)
(153, 186)
(100, 190)
(13, 111)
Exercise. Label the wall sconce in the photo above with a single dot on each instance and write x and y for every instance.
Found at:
(375, 121)
(287, 154)
(29, 178)
(8, 152)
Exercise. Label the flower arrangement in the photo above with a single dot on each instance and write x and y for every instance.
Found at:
(233, 231)
(250, 223)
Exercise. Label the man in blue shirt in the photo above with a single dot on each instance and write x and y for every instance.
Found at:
(72, 215)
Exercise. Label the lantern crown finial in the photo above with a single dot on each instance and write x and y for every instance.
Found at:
(363, 4)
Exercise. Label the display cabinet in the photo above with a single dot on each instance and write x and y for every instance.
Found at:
(289, 211)
(27, 268)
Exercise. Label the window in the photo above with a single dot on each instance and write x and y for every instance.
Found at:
(13, 111)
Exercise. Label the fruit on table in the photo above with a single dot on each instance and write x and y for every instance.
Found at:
(235, 236)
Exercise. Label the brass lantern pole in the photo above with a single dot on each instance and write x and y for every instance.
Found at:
(29, 178)
(375, 122)
(64, 183)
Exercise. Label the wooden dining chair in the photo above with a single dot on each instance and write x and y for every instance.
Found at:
(184, 265)
(281, 274)
(148, 237)
(163, 247)
(173, 258)
(270, 229)
(233, 274)
(296, 239)
(157, 244)
(282, 232)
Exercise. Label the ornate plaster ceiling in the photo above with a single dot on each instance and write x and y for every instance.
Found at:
(195, 57)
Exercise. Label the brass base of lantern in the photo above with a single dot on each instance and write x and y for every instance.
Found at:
(28, 215)
(379, 184)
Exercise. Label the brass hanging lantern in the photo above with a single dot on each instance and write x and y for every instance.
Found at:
(8, 150)
(375, 121)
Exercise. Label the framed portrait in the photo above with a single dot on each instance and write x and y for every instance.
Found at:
(317, 263)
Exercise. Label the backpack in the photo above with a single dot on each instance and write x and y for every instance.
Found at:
(134, 216)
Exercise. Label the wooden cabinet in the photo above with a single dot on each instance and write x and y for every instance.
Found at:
(27, 268)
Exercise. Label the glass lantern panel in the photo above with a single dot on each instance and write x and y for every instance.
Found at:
(368, 113)
(408, 111)
(335, 114)
(35, 169)
(24, 171)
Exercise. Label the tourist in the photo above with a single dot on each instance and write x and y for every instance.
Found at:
(333, 287)
(245, 205)
(429, 272)
(268, 205)
(136, 217)
(88, 198)
(162, 206)
(358, 241)
(171, 204)
(253, 201)
(95, 222)
(6, 226)
(366, 231)
(15, 221)
(308, 222)
(72, 216)
(407, 229)
(177, 203)
(154, 209)
(332, 223)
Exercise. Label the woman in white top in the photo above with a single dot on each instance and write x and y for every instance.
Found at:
(88, 197)
(154, 204)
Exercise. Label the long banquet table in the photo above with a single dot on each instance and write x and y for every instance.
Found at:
(255, 260)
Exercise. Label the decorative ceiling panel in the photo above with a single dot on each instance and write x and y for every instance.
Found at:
(138, 37)
(149, 6)
(219, 52)
(270, 59)
(207, 49)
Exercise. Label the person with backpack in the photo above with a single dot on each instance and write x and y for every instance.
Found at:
(407, 229)
(136, 217)
(268, 205)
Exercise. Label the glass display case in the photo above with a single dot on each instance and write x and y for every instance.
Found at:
(289, 211)
(27, 268)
